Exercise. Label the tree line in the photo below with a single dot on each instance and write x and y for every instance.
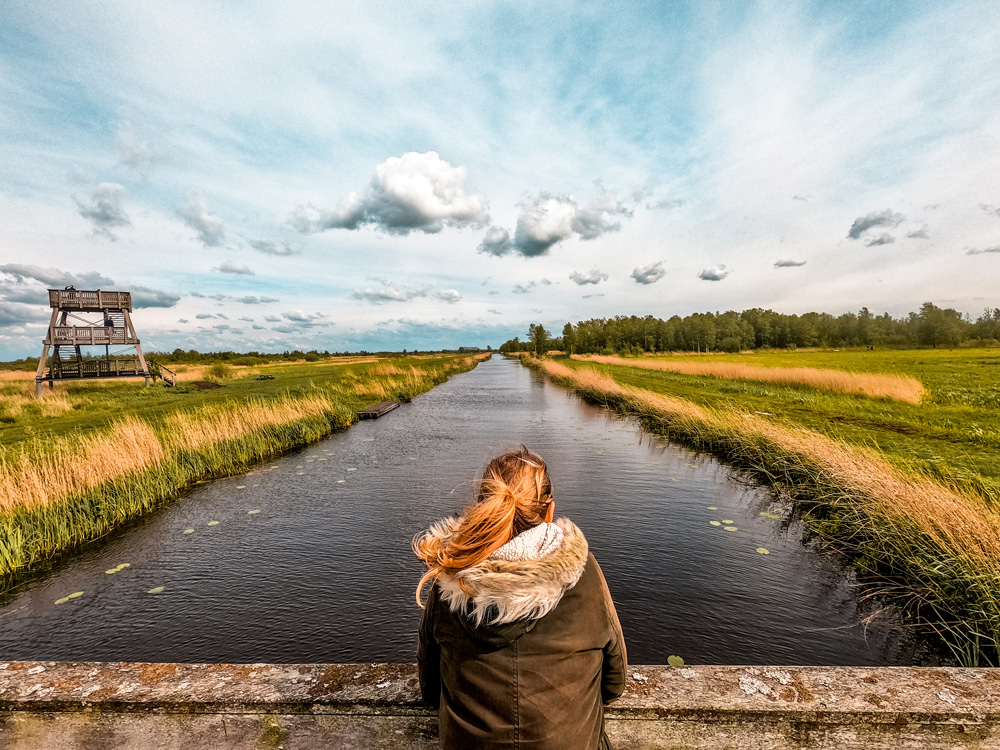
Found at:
(757, 328)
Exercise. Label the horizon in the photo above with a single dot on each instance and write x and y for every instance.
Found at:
(300, 176)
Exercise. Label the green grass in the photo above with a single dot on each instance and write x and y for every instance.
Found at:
(954, 434)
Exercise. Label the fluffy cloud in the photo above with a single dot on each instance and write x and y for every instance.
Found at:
(229, 266)
(595, 276)
(272, 248)
(305, 320)
(203, 316)
(919, 234)
(992, 210)
(103, 208)
(451, 296)
(53, 277)
(388, 293)
(15, 315)
(977, 251)
(547, 220)
(883, 239)
(254, 300)
(413, 192)
(649, 274)
(496, 242)
(143, 296)
(715, 273)
(789, 263)
(209, 227)
(886, 218)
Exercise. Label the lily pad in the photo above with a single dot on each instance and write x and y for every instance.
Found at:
(727, 522)
(675, 661)
(763, 551)
(730, 528)
(111, 571)
(252, 512)
(188, 531)
(156, 590)
(241, 486)
(213, 523)
(715, 523)
(122, 566)
(712, 507)
(323, 459)
(63, 600)
(300, 473)
(352, 469)
(340, 481)
(75, 594)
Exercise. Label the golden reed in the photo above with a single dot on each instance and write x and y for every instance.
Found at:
(873, 385)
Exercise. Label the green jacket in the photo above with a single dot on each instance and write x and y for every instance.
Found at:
(530, 659)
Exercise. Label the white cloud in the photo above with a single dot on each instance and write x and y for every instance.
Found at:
(886, 218)
(715, 273)
(789, 263)
(272, 248)
(229, 266)
(883, 239)
(389, 292)
(104, 209)
(451, 296)
(977, 251)
(413, 192)
(595, 276)
(496, 242)
(649, 274)
(211, 231)
(547, 220)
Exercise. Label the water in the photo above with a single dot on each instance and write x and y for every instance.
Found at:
(324, 571)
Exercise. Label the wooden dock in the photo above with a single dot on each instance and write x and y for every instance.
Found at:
(374, 412)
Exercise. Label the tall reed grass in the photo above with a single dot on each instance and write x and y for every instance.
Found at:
(65, 490)
(934, 548)
(873, 385)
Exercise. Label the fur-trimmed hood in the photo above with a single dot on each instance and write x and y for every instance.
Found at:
(506, 592)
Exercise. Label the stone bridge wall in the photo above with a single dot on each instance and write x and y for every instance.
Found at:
(100, 706)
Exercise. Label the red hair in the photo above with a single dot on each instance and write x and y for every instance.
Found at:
(514, 495)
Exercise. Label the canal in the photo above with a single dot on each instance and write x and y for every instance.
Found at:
(307, 558)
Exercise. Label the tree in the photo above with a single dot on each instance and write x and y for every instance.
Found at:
(936, 326)
(569, 339)
(539, 338)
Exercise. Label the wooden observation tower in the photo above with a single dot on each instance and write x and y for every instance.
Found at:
(83, 318)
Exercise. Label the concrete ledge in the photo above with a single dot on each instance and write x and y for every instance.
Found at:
(66, 706)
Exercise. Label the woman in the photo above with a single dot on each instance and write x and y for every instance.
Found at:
(520, 645)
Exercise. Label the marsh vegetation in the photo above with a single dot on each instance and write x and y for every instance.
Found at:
(909, 492)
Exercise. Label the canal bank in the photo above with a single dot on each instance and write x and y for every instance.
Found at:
(88, 706)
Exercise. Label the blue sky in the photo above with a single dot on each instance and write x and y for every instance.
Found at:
(415, 175)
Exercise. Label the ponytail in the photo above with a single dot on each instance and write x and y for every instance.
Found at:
(514, 495)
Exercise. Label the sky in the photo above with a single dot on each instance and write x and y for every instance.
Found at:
(345, 176)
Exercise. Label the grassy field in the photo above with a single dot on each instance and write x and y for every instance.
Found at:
(953, 433)
(910, 492)
(92, 455)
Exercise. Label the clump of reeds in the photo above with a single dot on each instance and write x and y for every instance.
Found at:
(935, 547)
(873, 385)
